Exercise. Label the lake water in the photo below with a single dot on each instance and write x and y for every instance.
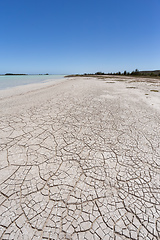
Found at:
(9, 81)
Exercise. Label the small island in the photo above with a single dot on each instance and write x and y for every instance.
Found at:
(10, 74)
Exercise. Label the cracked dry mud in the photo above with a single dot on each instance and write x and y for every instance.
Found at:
(81, 160)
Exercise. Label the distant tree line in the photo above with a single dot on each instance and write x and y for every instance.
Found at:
(134, 73)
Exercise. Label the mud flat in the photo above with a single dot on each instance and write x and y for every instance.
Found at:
(80, 159)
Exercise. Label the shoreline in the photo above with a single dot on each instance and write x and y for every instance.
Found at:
(10, 81)
(21, 89)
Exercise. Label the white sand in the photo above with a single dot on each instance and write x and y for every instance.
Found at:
(80, 159)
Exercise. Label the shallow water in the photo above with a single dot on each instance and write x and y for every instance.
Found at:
(18, 80)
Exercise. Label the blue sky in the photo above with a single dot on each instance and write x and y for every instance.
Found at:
(69, 36)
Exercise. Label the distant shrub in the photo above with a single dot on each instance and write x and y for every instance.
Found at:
(99, 73)
(136, 72)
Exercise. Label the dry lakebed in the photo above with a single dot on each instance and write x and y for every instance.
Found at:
(80, 159)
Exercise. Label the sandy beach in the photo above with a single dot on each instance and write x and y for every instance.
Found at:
(80, 159)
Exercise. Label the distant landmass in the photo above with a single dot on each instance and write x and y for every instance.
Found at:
(154, 73)
(15, 74)
(21, 74)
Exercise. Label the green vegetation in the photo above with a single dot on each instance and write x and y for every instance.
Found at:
(154, 90)
(135, 73)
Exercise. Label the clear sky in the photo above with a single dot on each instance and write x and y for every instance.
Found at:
(78, 36)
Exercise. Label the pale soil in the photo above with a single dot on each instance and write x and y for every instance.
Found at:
(80, 159)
